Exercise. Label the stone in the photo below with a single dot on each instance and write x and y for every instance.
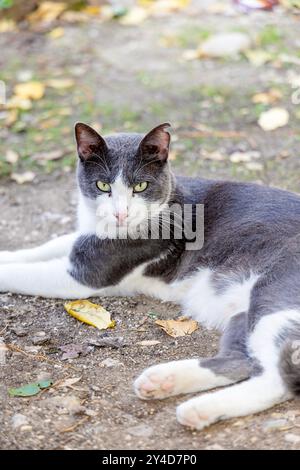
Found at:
(40, 338)
(141, 430)
(275, 425)
(292, 438)
(19, 420)
(110, 363)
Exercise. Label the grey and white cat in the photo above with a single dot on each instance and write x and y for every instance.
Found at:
(245, 280)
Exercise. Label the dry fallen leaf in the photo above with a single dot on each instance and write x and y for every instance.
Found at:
(92, 10)
(181, 327)
(7, 26)
(60, 83)
(273, 119)
(30, 90)
(163, 7)
(47, 12)
(56, 33)
(22, 178)
(268, 97)
(92, 314)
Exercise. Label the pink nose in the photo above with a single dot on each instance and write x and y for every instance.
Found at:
(121, 217)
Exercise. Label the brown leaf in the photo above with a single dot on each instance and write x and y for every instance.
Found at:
(177, 328)
(268, 97)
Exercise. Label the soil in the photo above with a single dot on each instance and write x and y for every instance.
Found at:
(123, 73)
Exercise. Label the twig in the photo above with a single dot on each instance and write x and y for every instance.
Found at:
(76, 425)
(36, 357)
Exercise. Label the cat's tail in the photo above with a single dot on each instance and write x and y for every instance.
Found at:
(289, 364)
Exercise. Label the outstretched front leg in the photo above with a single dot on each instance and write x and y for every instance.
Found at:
(56, 248)
(45, 278)
(194, 375)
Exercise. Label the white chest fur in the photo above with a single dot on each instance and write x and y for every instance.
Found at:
(197, 295)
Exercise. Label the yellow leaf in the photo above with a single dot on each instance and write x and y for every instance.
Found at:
(90, 313)
(60, 83)
(56, 33)
(30, 90)
(47, 12)
(164, 6)
(7, 26)
(180, 327)
(93, 10)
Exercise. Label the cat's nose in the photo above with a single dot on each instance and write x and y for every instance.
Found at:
(121, 217)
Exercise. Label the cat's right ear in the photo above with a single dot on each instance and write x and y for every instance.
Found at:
(89, 142)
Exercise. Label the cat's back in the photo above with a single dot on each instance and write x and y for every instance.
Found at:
(236, 203)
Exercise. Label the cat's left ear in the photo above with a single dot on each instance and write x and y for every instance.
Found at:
(156, 144)
(89, 142)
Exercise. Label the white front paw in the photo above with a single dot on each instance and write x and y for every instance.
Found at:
(169, 379)
(155, 382)
(197, 413)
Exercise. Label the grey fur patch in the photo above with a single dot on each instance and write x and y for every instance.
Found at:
(234, 367)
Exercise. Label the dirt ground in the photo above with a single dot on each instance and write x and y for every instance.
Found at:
(131, 78)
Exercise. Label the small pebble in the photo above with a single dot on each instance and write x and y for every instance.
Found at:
(19, 420)
(275, 424)
(292, 438)
(142, 430)
(40, 338)
(20, 331)
(110, 363)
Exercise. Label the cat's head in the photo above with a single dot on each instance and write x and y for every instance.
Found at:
(125, 176)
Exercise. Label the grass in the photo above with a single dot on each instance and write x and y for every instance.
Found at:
(270, 35)
(192, 36)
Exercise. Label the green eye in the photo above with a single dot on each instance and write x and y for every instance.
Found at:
(140, 187)
(105, 187)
